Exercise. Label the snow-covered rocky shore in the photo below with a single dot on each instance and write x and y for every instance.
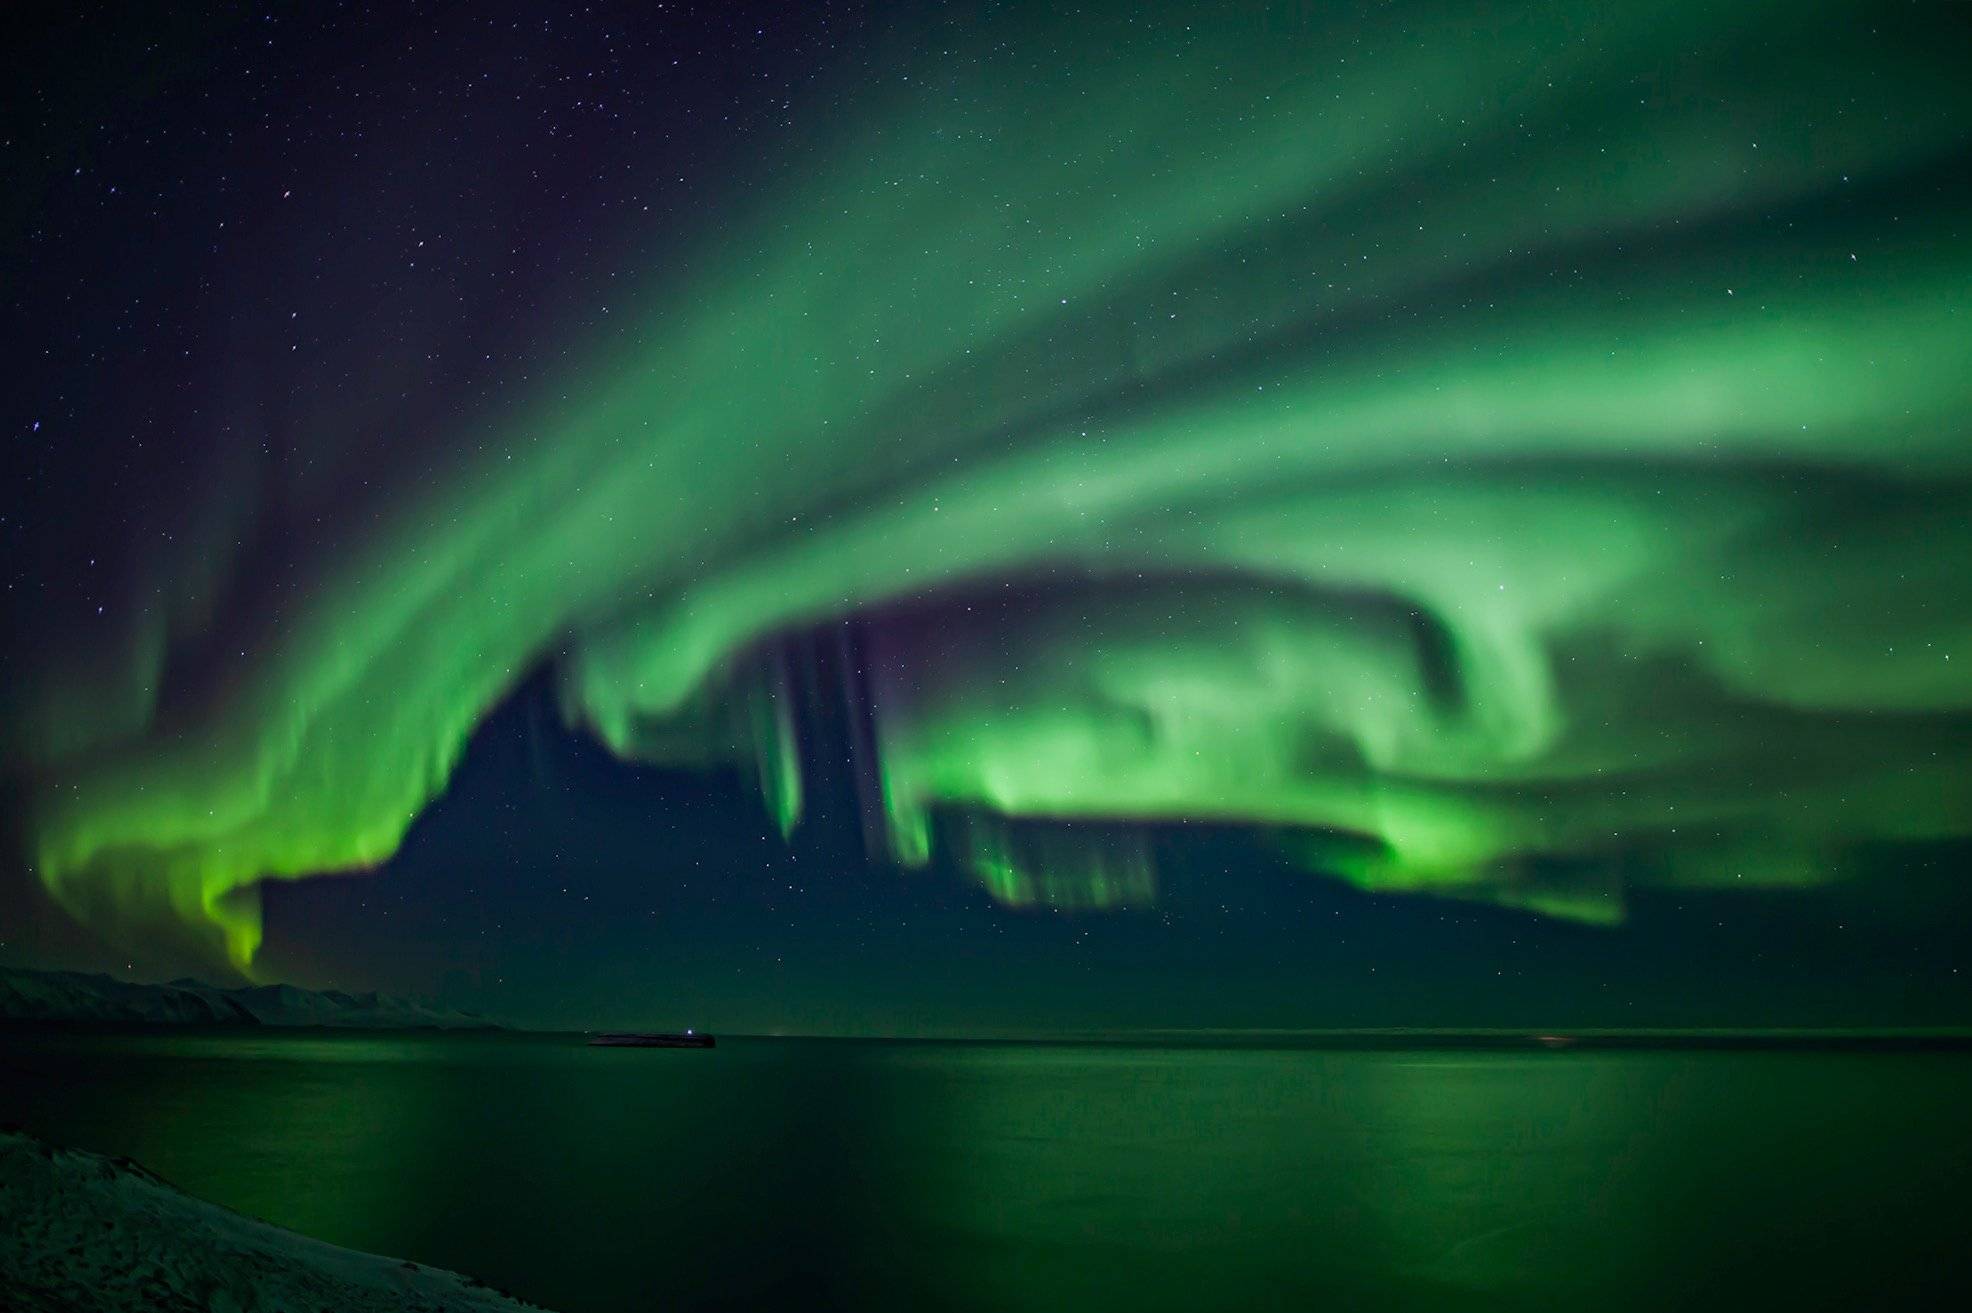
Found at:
(87, 1234)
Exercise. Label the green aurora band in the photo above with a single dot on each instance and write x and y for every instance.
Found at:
(1500, 457)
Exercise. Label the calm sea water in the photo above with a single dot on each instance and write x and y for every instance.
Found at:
(812, 1174)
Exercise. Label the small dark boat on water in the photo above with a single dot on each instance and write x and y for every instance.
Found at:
(629, 1040)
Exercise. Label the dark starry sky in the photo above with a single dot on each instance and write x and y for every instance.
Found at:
(185, 195)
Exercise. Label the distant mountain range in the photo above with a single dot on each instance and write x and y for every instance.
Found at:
(72, 997)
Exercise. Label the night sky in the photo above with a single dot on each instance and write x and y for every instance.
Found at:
(996, 519)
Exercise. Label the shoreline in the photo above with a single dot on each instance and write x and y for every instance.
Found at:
(89, 1233)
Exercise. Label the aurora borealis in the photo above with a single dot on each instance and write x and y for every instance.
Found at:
(1519, 457)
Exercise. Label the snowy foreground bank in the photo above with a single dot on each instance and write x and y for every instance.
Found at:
(84, 1233)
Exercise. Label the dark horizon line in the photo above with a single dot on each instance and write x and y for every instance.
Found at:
(1389, 1038)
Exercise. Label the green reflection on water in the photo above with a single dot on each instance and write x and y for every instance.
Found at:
(816, 1174)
